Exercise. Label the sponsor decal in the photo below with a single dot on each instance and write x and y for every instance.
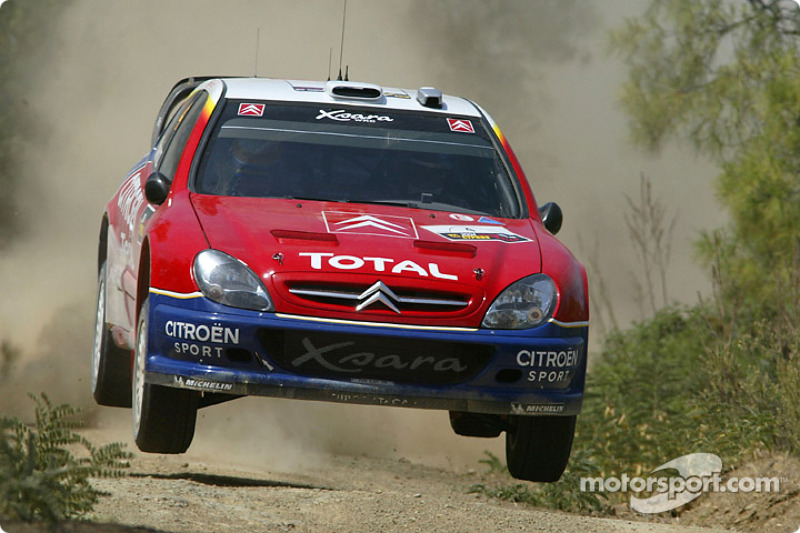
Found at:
(537, 408)
(306, 89)
(487, 220)
(363, 381)
(341, 115)
(397, 94)
(197, 350)
(343, 357)
(201, 332)
(462, 218)
(130, 200)
(552, 366)
(552, 376)
(370, 399)
(549, 359)
(202, 385)
(476, 233)
(251, 110)
(378, 264)
(457, 124)
(385, 225)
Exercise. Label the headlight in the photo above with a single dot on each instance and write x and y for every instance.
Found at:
(523, 304)
(228, 281)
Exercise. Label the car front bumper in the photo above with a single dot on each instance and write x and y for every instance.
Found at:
(197, 344)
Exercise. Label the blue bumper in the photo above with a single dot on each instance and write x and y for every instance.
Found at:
(200, 345)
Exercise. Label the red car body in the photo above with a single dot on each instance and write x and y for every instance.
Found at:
(377, 301)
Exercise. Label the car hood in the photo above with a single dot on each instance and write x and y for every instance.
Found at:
(292, 241)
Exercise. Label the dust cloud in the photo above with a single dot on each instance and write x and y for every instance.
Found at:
(538, 67)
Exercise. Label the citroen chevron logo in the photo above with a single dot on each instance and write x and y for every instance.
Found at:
(387, 225)
(251, 110)
(378, 292)
(460, 125)
(370, 221)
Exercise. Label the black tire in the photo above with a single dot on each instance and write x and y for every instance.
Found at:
(111, 365)
(163, 417)
(475, 424)
(538, 447)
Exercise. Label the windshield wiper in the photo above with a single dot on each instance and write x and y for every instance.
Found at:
(436, 206)
(400, 203)
(310, 198)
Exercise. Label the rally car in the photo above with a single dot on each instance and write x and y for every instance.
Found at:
(343, 242)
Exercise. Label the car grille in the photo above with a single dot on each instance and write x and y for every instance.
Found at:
(378, 297)
(374, 357)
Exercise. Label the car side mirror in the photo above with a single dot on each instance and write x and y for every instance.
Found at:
(551, 217)
(156, 188)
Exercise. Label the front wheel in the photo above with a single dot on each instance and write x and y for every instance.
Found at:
(163, 417)
(538, 447)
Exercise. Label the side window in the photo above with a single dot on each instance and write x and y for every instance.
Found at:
(169, 131)
(171, 145)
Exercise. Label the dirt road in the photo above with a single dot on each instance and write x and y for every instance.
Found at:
(350, 494)
(334, 492)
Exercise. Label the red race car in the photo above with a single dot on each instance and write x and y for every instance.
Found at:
(343, 242)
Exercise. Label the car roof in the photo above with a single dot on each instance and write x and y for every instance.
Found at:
(349, 92)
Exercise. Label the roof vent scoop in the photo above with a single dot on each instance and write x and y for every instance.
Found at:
(353, 90)
(429, 97)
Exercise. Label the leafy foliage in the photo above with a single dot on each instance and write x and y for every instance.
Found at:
(639, 406)
(40, 478)
(724, 77)
(722, 376)
(680, 382)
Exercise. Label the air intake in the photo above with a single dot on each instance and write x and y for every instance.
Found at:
(429, 97)
(353, 90)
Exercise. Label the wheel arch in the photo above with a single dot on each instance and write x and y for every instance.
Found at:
(143, 278)
(102, 245)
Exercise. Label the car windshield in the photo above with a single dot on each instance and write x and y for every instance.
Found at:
(343, 154)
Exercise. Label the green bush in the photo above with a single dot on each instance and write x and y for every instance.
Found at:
(693, 380)
(40, 478)
(722, 376)
(641, 407)
(686, 380)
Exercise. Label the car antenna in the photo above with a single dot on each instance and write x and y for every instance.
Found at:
(330, 59)
(341, 47)
(255, 66)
